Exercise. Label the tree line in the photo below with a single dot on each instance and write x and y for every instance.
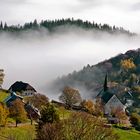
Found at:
(52, 24)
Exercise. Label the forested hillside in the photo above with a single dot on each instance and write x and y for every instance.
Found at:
(52, 25)
(123, 73)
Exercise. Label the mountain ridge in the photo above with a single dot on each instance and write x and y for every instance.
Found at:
(51, 25)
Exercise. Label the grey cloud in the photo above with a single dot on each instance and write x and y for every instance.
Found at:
(136, 7)
(40, 57)
(85, 1)
(86, 5)
(13, 1)
(116, 3)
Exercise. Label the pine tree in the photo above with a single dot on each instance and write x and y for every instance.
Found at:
(5, 26)
(1, 25)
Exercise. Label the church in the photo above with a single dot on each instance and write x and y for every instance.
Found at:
(111, 98)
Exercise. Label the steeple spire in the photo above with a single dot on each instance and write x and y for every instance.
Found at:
(105, 83)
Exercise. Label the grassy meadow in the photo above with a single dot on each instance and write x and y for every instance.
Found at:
(3, 95)
(25, 132)
(127, 134)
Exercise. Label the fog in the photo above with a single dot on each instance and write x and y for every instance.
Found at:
(40, 57)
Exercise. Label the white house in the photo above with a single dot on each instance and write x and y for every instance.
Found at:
(23, 88)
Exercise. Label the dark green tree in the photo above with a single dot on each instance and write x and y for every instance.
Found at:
(135, 120)
(1, 25)
(5, 26)
(48, 115)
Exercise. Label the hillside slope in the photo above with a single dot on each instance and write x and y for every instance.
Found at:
(123, 73)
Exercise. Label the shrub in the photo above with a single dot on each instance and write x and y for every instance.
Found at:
(47, 123)
(79, 126)
(135, 119)
(83, 126)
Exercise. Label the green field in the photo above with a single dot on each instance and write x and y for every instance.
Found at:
(127, 134)
(63, 113)
(22, 132)
(26, 132)
(3, 95)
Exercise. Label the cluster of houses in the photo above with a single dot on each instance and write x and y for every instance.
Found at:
(19, 90)
(110, 98)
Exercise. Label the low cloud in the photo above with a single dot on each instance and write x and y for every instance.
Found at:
(40, 57)
(136, 7)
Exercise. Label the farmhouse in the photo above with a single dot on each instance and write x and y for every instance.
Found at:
(30, 109)
(23, 88)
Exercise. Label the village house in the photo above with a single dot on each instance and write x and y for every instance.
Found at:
(13, 96)
(33, 113)
(24, 89)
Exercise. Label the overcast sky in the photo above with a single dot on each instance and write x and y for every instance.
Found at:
(39, 58)
(124, 13)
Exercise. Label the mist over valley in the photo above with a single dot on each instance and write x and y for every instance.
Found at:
(39, 56)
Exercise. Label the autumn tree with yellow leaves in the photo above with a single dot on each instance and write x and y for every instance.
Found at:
(127, 67)
(70, 96)
(17, 111)
(127, 64)
(89, 106)
(4, 112)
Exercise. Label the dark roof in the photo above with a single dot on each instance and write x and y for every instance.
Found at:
(105, 95)
(108, 92)
(32, 111)
(118, 91)
(21, 86)
(11, 98)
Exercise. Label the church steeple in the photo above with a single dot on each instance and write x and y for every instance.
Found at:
(105, 83)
